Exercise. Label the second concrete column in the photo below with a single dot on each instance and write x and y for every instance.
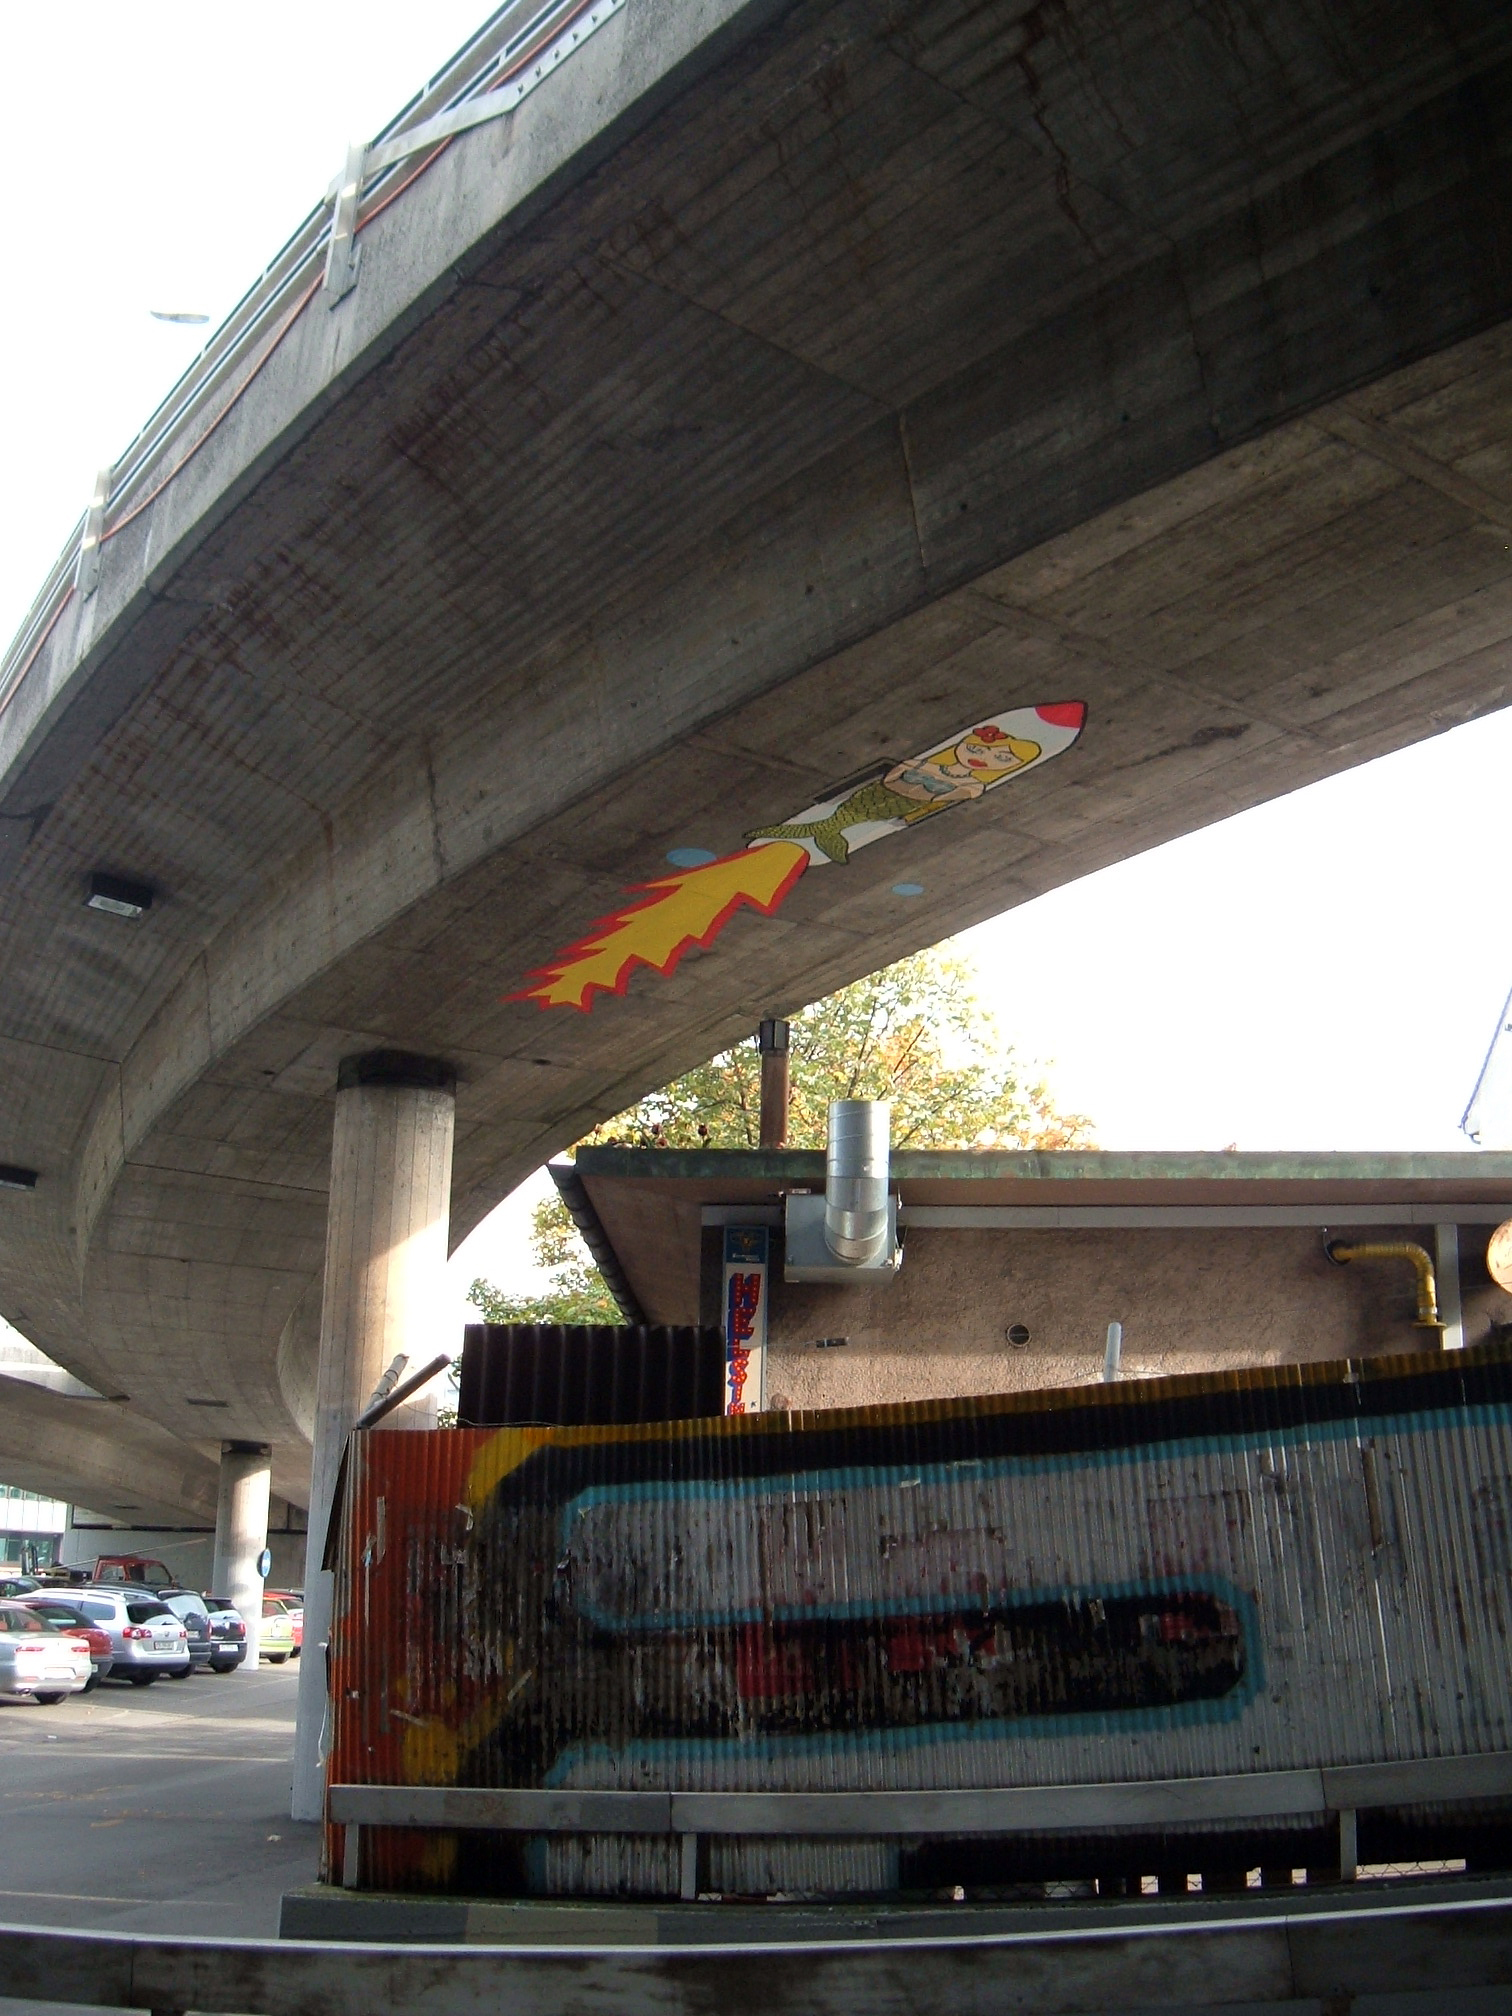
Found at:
(386, 1247)
(241, 1534)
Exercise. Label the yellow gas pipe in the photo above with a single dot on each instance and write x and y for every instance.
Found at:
(1421, 1260)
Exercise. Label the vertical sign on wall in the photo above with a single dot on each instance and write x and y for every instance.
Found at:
(745, 1318)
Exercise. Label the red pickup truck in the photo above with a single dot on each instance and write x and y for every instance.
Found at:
(132, 1568)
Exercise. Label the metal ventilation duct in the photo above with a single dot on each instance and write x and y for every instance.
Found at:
(855, 1180)
(850, 1234)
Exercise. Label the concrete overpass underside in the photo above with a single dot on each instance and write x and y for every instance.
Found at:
(110, 1459)
(781, 388)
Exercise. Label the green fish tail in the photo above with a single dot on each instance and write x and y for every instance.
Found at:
(826, 835)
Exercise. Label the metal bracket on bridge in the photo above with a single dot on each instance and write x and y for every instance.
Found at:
(343, 252)
(492, 103)
(87, 568)
(521, 78)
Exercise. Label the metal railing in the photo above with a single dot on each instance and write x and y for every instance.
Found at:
(1331, 1794)
(515, 49)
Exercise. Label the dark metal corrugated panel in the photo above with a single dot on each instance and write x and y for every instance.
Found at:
(576, 1374)
(1206, 1575)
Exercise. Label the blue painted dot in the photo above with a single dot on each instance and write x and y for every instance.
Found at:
(908, 889)
(690, 857)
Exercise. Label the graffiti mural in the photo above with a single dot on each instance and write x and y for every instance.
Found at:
(1167, 1578)
(676, 912)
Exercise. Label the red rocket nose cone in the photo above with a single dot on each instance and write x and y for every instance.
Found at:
(1063, 713)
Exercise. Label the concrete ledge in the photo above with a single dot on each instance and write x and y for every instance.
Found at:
(324, 1912)
(1137, 1961)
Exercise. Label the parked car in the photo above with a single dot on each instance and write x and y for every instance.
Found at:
(193, 1613)
(38, 1661)
(146, 1639)
(228, 1635)
(293, 1603)
(275, 1641)
(69, 1617)
(17, 1585)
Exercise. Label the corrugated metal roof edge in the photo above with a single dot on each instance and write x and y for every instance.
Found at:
(806, 1165)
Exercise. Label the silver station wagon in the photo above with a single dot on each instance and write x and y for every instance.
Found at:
(146, 1639)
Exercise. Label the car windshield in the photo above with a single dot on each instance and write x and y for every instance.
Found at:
(185, 1605)
(273, 1608)
(14, 1619)
(143, 1613)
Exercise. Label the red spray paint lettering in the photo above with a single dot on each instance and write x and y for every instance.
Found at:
(745, 1301)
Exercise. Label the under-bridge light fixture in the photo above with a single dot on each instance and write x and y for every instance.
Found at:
(118, 898)
(14, 1178)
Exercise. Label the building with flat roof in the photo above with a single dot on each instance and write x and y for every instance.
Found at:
(1014, 1264)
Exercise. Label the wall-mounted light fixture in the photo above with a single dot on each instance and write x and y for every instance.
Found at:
(120, 899)
(12, 1178)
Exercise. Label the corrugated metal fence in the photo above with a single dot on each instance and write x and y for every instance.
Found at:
(1288, 1567)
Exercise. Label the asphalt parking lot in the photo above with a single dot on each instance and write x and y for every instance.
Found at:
(153, 1809)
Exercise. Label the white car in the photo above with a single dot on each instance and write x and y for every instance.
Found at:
(39, 1661)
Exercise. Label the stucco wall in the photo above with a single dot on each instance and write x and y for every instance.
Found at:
(1189, 1301)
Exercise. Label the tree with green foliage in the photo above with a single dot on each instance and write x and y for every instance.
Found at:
(914, 1033)
(577, 1293)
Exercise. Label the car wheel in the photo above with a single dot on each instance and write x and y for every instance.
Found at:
(141, 1679)
(184, 1675)
(49, 1700)
(275, 1658)
(91, 1683)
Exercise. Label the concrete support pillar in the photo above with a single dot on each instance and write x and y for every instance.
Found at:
(386, 1240)
(241, 1534)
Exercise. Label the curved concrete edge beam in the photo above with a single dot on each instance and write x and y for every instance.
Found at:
(97, 1453)
(490, 183)
(105, 1456)
(298, 1362)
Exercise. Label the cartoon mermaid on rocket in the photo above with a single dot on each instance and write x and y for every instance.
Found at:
(965, 767)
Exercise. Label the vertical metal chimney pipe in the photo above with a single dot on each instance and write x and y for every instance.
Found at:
(772, 1042)
(855, 1179)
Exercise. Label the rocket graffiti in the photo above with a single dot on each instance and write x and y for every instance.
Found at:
(676, 912)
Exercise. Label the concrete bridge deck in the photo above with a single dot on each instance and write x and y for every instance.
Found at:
(779, 388)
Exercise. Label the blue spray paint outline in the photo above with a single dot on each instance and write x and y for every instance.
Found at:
(772, 1749)
(785, 1485)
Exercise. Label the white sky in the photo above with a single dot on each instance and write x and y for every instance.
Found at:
(1324, 972)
